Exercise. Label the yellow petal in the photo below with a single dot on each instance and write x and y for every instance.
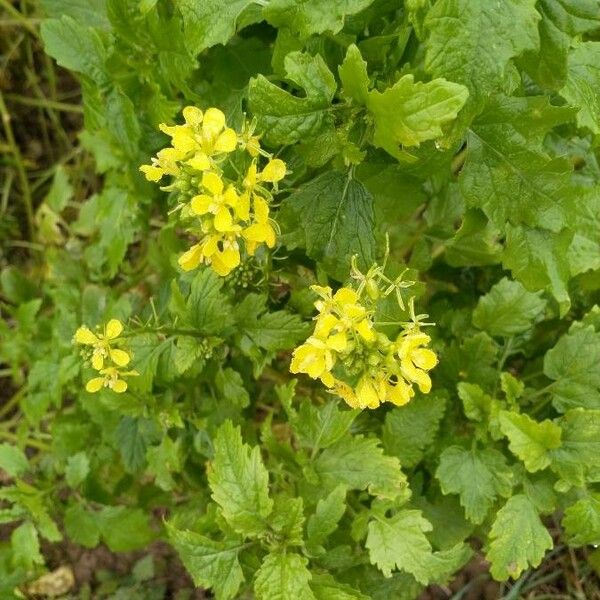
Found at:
(114, 329)
(200, 162)
(200, 204)
(211, 245)
(191, 259)
(261, 209)
(421, 378)
(226, 142)
(250, 179)
(345, 296)
(152, 173)
(212, 182)
(424, 358)
(253, 146)
(328, 379)
(84, 336)
(365, 330)
(242, 208)
(344, 391)
(337, 342)
(224, 262)
(230, 196)
(399, 393)
(94, 385)
(119, 357)
(192, 116)
(366, 393)
(214, 121)
(118, 386)
(97, 361)
(183, 140)
(223, 220)
(274, 171)
(324, 325)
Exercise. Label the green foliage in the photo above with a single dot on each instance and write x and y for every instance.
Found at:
(456, 141)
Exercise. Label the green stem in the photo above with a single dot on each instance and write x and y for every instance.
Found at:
(7, 435)
(12, 402)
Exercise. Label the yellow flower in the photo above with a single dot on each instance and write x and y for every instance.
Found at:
(219, 202)
(315, 358)
(101, 343)
(399, 392)
(165, 163)
(415, 360)
(220, 250)
(261, 230)
(370, 391)
(273, 172)
(110, 378)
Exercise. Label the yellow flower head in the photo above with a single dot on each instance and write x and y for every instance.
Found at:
(111, 379)
(101, 343)
(415, 360)
(219, 201)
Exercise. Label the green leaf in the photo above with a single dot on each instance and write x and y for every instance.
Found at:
(530, 440)
(231, 386)
(89, 12)
(283, 575)
(561, 21)
(209, 22)
(320, 427)
(354, 76)
(82, 526)
(400, 542)
(461, 34)
(583, 80)
(359, 463)
(307, 17)
(239, 482)
(508, 175)
(325, 587)
(211, 564)
(327, 514)
(508, 309)
(132, 437)
(518, 539)
(26, 546)
(287, 520)
(124, 529)
(539, 260)
(478, 476)
(209, 309)
(578, 457)
(163, 460)
(410, 429)
(61, 190)
(78, 467)
(572, 364)
(409, 113)
(75, 46)
(13, 460)
(285, 118)
(581, 522)
(334, 215)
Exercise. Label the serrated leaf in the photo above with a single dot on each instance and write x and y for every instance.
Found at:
(561, 21)
(583, 81)
(163, 460)
(124, 529)
(307, 17)
(325, 587)
(572, 364)
(13, 460)
(231, 385)
(354, 76)
(530, 440)
(285, 118)
(209, 308)
(334, 215)
(581, 521)
(410, 429)
(287, 520)
(478, 476)
(26, 546)
(209, 22)
(360, 464)
(518, 539)
(508, 309)
(239, 482)
(211, 564)
(578, 457)
(77, 469)
(539, 260)
(409, 113)
(283, 575)
(82, 526)
(508, 175)
(462, 34)
(328, 512)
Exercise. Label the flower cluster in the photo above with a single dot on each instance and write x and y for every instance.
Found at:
(223, 194)
(354, 360)
(101, 350)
